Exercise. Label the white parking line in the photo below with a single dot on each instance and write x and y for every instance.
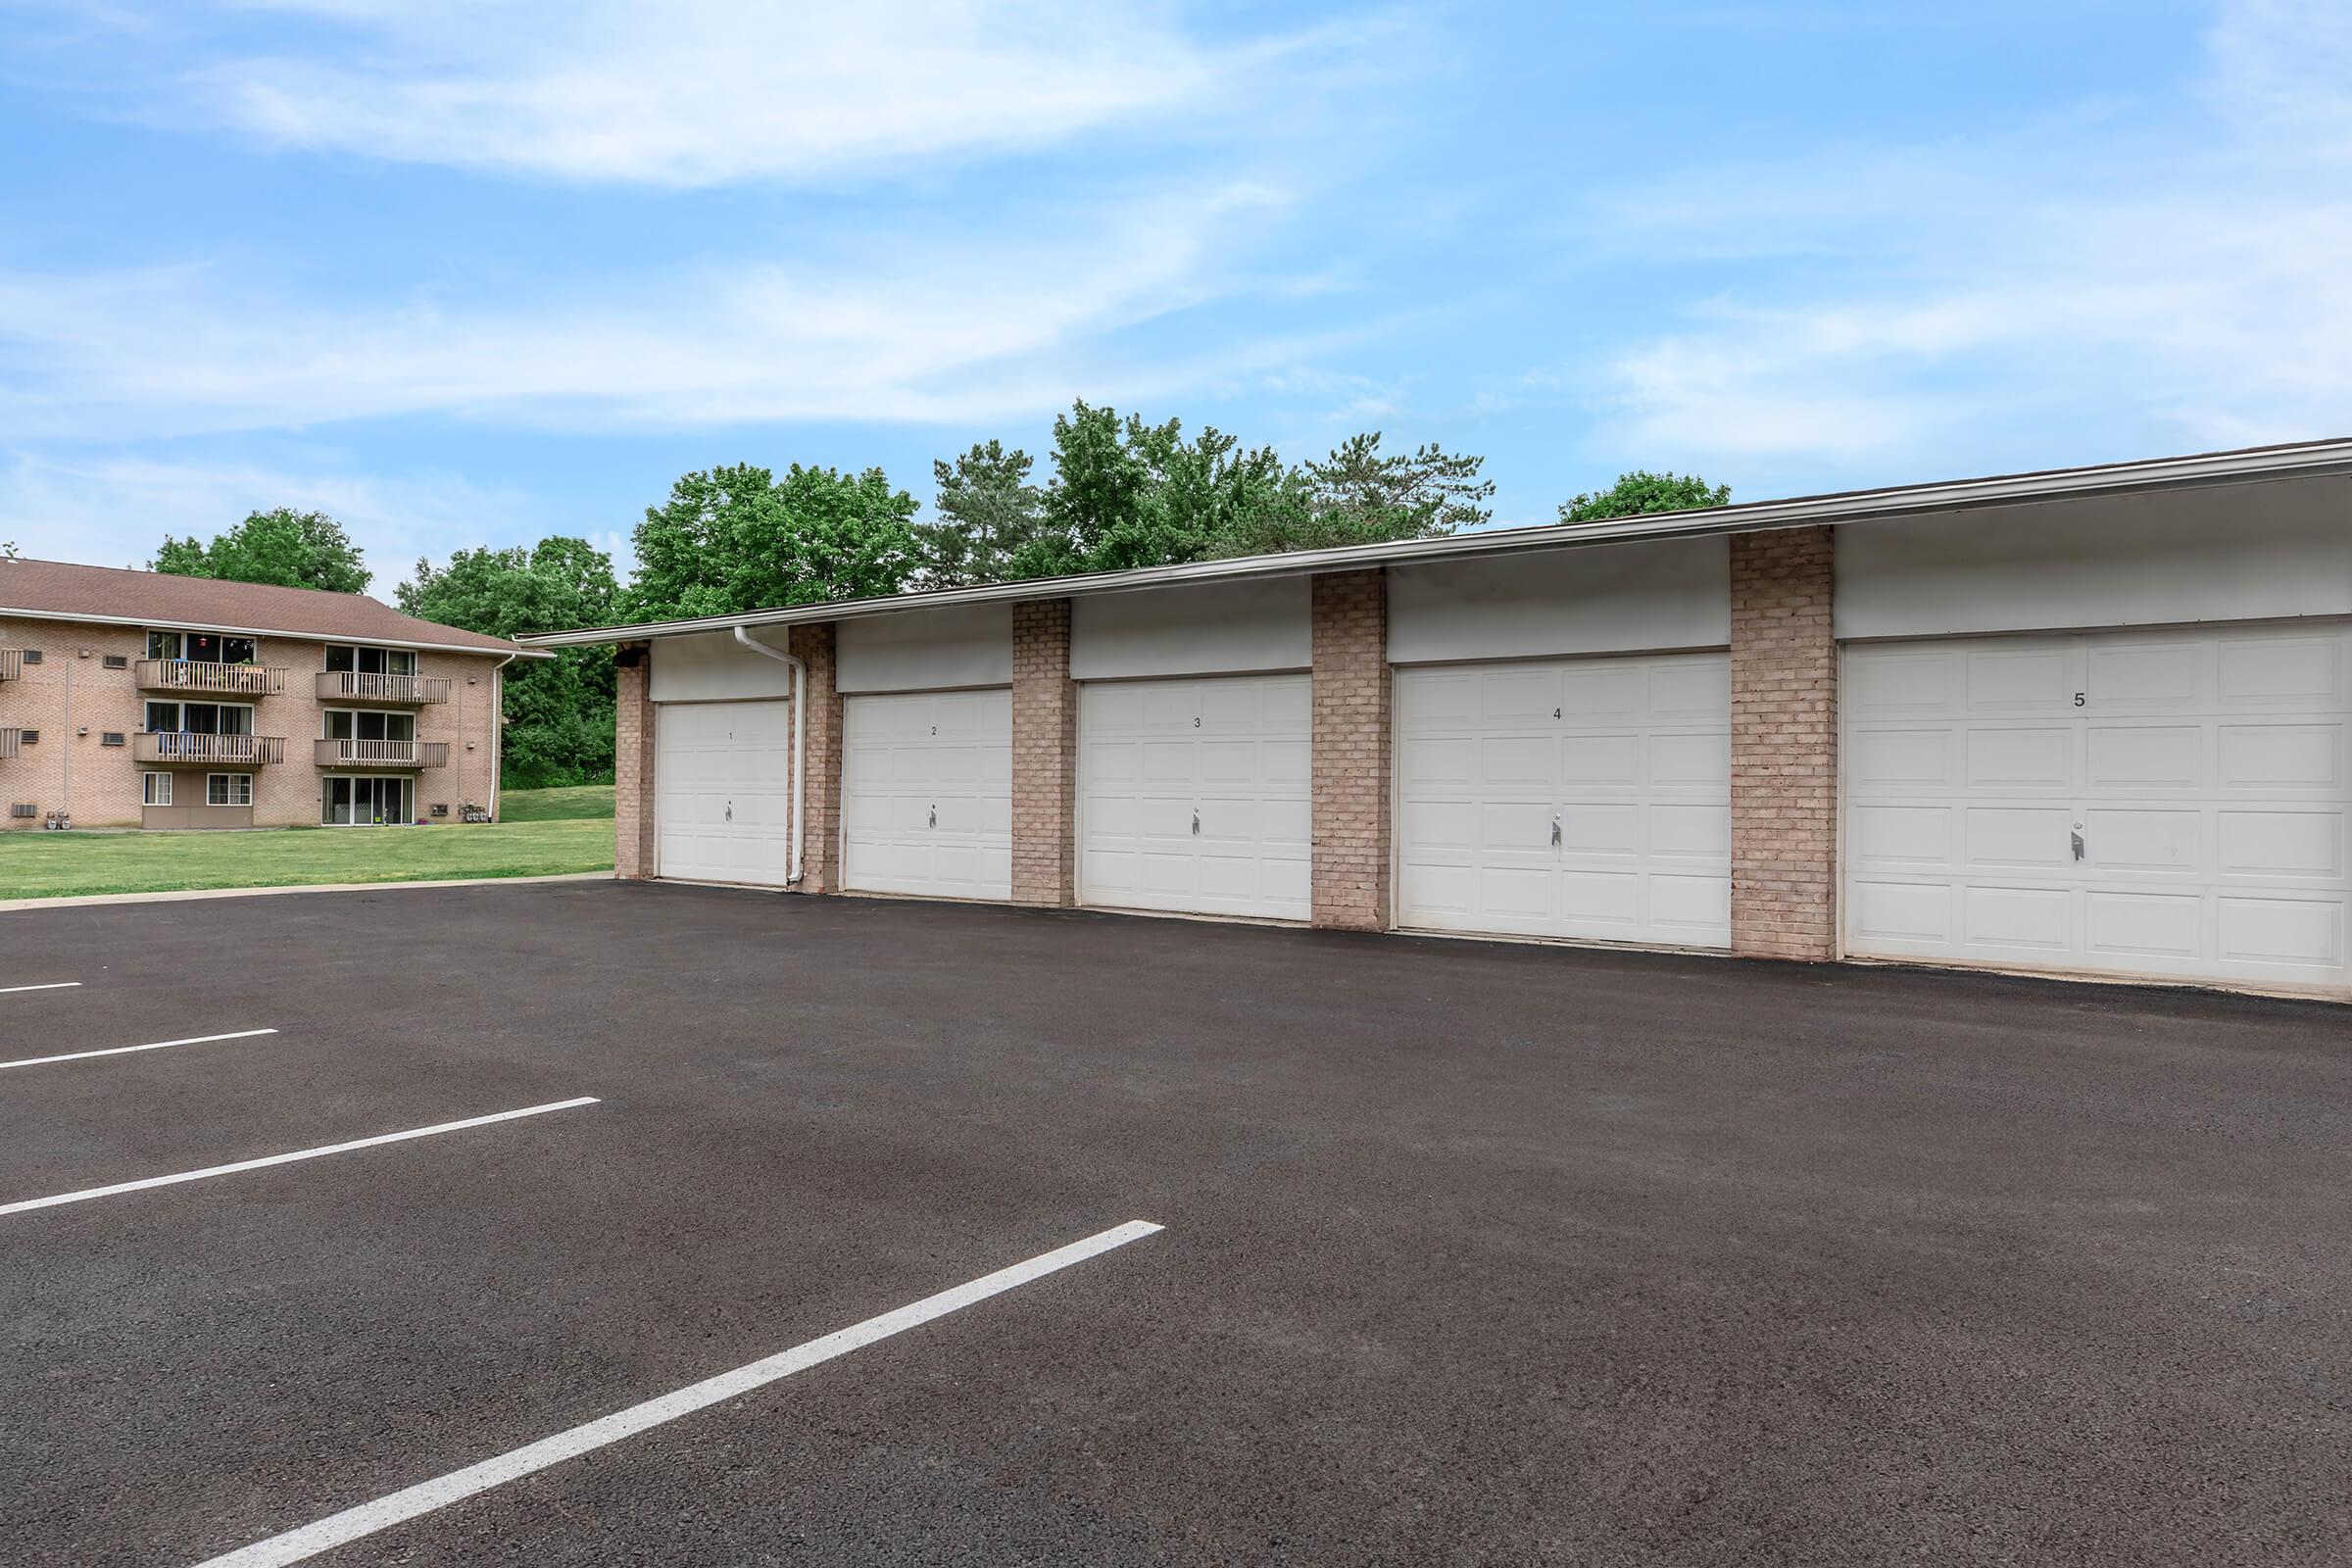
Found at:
(124, 1051)
(384, 1512)
(288, 1159)
(53, 985)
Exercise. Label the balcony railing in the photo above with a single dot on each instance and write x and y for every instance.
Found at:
(391, 691)
(381, 753)
(12, 663)
(189, 749)
(209, 679)
(12, 741)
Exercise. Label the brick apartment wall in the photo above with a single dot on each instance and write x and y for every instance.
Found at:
(633, 768)
(72, 690)
(1045, 754)
(1350, 617)
(1783, 745)
(821, 816)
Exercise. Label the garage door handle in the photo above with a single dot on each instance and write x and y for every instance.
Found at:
(934, 822)
(2078, 838)
(1555, 832)
(1196, 821)
(730, 811)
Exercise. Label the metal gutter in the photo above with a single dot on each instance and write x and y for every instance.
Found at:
(2255, 464)
(800, 746)
(345, 638)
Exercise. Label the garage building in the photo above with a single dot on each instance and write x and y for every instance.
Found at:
(2089, 722)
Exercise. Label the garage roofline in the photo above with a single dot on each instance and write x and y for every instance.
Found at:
(2301, 460)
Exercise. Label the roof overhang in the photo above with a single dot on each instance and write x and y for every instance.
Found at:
(345, 638)
(2248, 465)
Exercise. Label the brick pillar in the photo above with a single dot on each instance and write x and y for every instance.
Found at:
(634, 764)
(1350, 616)
(820, 813)
(1783, 745)
(1045, 754)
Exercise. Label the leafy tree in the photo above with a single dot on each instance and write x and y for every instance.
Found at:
(739, 538)
(1358, 495)
(560, 710)
(1641, 491)
(988, 514)
(1125, 493)
(290, 549)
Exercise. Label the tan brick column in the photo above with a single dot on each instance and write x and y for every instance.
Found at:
(820, 813)
(1783, 745)
(634, 764)
(1045, 754)
(1350, 616)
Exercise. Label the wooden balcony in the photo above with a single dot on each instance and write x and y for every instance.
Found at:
(363, 690)
(185, 749)
(381, 753)
(12, 663)
(193, 677)
(12, 741)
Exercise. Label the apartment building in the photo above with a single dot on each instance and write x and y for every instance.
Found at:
(134, 699)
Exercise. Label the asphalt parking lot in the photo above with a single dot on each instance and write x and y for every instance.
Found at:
(1469, 1253)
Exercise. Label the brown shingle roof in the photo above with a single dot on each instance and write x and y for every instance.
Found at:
(58, 589)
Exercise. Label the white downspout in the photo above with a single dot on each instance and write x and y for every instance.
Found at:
(498, 729)
(799, 742)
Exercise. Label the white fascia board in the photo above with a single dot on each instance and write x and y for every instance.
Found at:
(346, 639)
(2301, 461)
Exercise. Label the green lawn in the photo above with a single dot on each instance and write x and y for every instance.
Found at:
(544, 832)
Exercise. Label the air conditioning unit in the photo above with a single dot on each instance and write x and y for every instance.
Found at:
(117, 662)
(112, 737)
(25, 810)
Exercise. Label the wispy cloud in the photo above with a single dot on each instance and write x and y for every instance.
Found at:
(2193, 281)
(942, 330)
(708, 91)
(116, 509)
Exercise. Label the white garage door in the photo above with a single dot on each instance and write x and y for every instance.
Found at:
(1585, 798)
(1193, 795)
(2162, 804)
(722, 787)
(926, 782)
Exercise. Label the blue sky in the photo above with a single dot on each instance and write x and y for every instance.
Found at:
(467, 273)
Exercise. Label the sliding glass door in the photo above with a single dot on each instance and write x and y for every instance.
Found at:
(366, 802)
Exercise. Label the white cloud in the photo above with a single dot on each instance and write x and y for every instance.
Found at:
(2188, 286)
(703, 91)
(115, 510)
(946, 329)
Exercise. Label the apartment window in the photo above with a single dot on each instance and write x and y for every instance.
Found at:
(203, 646)
(345, 724)
(155, 789)
(32, 656)
(200, 718)
(370, 661)
(228, 789)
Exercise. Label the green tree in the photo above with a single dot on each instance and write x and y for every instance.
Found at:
(739, 538)
(290, 549)
(1358, 495)
(1126, 493)
(989, 512)
(1641, 491)
(559, 712)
